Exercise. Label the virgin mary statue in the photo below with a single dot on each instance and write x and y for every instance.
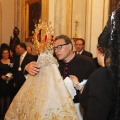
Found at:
(43, 96)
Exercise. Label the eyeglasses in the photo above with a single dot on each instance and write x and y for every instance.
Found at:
(59, 47)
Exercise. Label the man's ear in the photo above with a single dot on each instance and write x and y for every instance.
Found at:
(70, 46)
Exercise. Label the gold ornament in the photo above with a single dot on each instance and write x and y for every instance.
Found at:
(43, 37)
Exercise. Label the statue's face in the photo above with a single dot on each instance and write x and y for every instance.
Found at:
(16, 32)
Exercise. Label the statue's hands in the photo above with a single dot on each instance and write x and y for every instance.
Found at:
(32, 68)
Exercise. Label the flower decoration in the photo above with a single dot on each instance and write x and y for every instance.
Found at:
(10, 65)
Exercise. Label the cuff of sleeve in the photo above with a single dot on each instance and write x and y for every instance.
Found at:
(83, 82)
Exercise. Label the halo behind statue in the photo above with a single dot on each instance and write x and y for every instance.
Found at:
(43, 37)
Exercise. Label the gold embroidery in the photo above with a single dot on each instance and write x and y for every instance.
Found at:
(24, 112)
(43, 97)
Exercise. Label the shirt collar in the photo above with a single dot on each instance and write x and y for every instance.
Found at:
(80, 52)
(23, 55)
(70, 59)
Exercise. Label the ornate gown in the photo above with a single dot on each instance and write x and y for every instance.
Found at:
(43, 96)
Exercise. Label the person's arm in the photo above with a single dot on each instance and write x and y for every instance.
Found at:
(32, 68)
(74, 80)
(78, 85)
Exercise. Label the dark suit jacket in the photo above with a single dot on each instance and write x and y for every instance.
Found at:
(96, 98)
(19, 75)
(87, 53)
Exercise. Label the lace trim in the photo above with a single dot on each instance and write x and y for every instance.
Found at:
(46, 60)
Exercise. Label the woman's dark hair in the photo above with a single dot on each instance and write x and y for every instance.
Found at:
(109, 43)
(4, 45)
(65, 37)
(3, 49)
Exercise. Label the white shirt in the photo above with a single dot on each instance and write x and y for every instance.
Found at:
(22, 57)
(80, 52)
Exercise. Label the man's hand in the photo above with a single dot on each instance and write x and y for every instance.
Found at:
(4, 77)
(74, 80)
(32, 68)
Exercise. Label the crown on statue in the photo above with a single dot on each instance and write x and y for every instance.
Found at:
(43, 37)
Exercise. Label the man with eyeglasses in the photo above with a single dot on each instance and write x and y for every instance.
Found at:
(80, 45)
(70, 63)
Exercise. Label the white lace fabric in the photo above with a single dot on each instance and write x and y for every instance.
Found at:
(43, 96)
(46, 59)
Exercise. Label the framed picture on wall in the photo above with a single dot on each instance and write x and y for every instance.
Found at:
(33, 15)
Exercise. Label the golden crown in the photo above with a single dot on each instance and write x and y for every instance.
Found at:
(43, 37)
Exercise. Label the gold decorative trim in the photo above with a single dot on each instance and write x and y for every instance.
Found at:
(43, 37)
(15, 6)
(68, 17)
(28, 37)
(22, 20)
(45, 10)
(26, 19)
(71, 16)
(31, 1)
(103, 14)
(44, 15)
(90, 25)
(85, 19)
(0, 23)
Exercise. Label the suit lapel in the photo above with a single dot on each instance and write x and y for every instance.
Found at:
(83, 52)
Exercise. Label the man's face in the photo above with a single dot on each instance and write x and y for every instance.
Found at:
(62, 50)
(19, 50)
(79, 45)
(5, 54)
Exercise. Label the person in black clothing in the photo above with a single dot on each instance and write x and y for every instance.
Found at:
(80, 46)
(21, 60)
(71, 63)
(101, 95)
(6, 81)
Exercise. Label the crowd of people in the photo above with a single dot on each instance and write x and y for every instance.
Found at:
(43, 95)
(11, 72)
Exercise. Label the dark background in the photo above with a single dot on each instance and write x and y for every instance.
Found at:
(34, 16)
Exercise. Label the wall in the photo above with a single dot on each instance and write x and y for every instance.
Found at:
(7, 22)
(91, 15)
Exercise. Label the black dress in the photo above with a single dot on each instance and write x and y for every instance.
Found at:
(6, 88)
(96, 98)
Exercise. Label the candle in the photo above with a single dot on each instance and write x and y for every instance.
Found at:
(76, 17)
